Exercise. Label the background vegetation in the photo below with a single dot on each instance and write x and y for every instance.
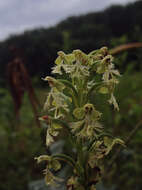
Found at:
(22, 140)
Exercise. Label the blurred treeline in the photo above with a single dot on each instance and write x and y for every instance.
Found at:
(111, 27)
(22, 140)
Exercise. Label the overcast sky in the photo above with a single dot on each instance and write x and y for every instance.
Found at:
(19, 15)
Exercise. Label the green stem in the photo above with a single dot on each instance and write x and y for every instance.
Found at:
(74, 92)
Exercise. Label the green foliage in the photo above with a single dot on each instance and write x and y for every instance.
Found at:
(128, 162)
(128, 93)
(121, 123)
(112, 27)
(16, 147)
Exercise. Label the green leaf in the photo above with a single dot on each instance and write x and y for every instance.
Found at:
(103, 90)
(61, 123)
(65, 158)
(43, 158)
(81, 57)
(54, 83)
(55, 165)
(70, 58)
(94, 87)
(56, 126)
(69, 85)
(109, 143)
(101, 69)
(119, 141)
(74, 92)
(58, 60)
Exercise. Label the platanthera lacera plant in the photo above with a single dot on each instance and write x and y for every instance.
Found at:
(72, 113)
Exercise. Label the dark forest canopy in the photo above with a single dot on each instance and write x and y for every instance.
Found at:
(113, 26)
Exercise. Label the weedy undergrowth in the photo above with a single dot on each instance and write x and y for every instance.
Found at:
(69, 108)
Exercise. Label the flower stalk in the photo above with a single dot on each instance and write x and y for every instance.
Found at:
(69, 107)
